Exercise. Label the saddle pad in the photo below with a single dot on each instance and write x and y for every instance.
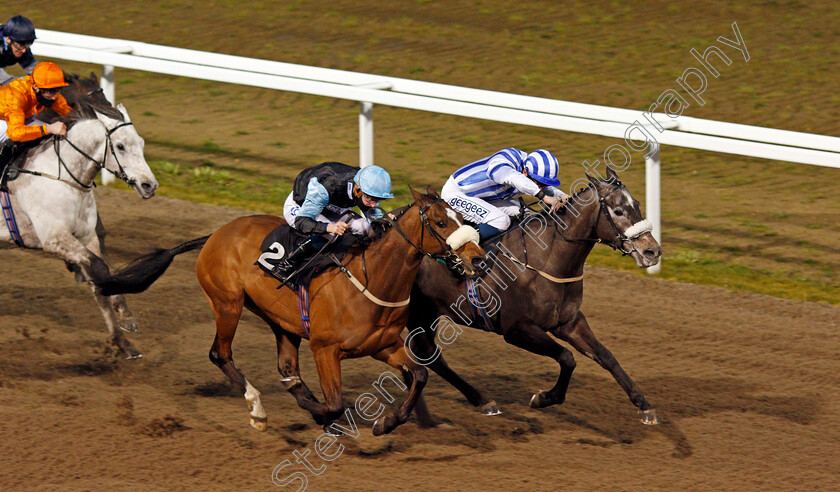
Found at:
(283, 240)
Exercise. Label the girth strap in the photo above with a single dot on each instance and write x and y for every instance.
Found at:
(475, 302)
(303, 306)
(9, 216)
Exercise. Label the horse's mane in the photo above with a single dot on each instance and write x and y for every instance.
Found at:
(85, 109)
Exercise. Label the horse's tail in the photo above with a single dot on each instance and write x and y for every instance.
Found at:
(142, 272)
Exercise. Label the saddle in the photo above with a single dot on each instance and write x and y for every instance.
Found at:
(285, 244)
(11, 153)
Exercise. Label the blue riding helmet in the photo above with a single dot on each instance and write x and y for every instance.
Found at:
(374, 181)
(20, 29)
(543, 167)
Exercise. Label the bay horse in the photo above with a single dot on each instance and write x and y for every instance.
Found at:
(54, 205)
(537, 288)
(346, 322)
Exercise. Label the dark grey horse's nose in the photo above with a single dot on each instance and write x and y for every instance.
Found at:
(652, 253)
(148, 187)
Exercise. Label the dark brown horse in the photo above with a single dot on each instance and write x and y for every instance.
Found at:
(525, 303)
(345, 322)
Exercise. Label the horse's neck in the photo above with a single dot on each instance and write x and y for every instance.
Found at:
(554, 254)
(392, 261)
(83, 135)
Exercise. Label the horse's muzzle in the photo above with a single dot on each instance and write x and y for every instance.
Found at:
(146, 189)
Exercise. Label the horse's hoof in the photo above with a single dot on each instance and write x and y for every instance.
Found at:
(490, 408)
(539, 400)
(382, 426)
(328, 429)
(133, 355)
(128, 325)
(379, 426)
(648, 417)
(259, 423)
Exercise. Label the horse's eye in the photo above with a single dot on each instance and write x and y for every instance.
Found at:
(618, 212)
(441, 223)
(120, 147)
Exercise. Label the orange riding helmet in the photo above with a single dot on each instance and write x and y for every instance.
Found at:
(48, 75)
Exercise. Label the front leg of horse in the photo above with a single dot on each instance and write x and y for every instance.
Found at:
(580, 336)
(329, 373)
(396, 357)
(91, 266)
(532, 338)
(421, 345)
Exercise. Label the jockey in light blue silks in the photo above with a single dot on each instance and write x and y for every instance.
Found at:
(321, 200)
(484, 191)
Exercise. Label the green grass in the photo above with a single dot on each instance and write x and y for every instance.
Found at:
(704, 268)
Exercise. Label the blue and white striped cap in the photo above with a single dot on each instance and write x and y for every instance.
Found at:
(543, 166)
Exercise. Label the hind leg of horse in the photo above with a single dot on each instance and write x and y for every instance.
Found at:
(423, 348)
(396, 357)
(530, 337)
(288, 348)
(579, 335)
(86, 258)
(221, 354)
(287, 364)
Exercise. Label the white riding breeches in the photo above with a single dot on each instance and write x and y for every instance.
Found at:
(291, 209)
(31, 121)
(495, 213)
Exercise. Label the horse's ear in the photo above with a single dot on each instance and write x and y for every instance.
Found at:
(593, 180)
(416, 194)
(431, 191)
(612, 176)
(103, 119)
(94, 78)
(124, 112)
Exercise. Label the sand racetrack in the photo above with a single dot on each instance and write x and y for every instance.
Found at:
(746, 386)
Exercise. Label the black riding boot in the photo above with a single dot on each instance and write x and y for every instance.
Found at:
(9, 153)
(6, 156)
(286, 267)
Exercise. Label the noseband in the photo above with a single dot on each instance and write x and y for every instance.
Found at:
(448, 256)
(109, 144)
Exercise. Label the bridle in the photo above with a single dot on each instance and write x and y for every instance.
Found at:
(447, 256)
(109, 144)
(620, 238)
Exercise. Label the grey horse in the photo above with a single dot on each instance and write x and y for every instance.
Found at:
(54, 205)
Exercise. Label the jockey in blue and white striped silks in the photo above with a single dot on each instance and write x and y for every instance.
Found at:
(484, 191)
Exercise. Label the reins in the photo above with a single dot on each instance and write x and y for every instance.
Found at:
(100, 165)
(620, 237)
(448, 256)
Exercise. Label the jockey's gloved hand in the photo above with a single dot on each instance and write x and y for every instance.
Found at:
(359, 227)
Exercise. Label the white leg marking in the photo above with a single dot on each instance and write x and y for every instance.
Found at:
(252, 396)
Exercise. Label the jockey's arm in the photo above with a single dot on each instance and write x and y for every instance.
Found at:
(316, 199)
(18, 131)
(522, 183)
